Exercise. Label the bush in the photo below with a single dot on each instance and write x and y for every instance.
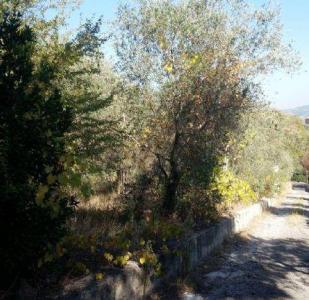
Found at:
(267, 149)
(198, 207)
(231, 189)
(299, 177)
(204, 204)
(33, 121)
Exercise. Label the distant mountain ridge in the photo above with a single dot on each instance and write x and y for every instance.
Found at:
(302, 111)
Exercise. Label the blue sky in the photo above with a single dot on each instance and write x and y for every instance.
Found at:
(282, 90)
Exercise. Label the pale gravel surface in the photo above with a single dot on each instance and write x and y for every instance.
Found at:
(268, 261)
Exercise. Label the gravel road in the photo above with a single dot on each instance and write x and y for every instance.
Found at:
(268, 261)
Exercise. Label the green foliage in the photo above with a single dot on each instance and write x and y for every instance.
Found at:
(194, 63)
(160, 40)
(87, 85)
(299, 176)
(33, 123)
(176, 135)
(267, 149)
(301, 173)
(53, 132)
(198, 207)
(202, 205)
(231, 189)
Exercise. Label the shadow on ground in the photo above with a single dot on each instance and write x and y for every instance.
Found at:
(250, 267)
(249, 274)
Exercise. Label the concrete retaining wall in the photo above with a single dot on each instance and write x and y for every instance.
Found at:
(202, 244)
(132, 283)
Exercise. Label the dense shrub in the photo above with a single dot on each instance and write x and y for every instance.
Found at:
(201, 205)
(232, 189)
(299, 176)
(33, 122)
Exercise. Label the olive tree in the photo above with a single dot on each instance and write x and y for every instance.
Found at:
(199, 60)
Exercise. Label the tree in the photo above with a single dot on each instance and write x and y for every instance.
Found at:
(53, 131)
(33, 122)
(88, 86)
(198, 61)
(86, 82)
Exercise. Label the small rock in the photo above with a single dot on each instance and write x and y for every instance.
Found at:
(190, 296)
(216, 275)
(236, 274)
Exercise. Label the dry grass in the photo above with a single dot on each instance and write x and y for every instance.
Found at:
(98, 216)
(102, 201)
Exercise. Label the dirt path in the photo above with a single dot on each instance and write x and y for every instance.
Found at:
(269, 261)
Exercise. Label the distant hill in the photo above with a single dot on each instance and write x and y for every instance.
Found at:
(302, 111)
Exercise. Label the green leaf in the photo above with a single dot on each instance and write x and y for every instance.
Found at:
(86, 190)
(75, 180)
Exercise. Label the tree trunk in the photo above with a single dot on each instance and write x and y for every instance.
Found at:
(170, 200)
(172, 181)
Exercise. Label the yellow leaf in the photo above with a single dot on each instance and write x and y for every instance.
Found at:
(99, 276)
(109, 257)
(147, 130)
(168, 68)
(51, 179)
(42, 190)
(193, 61)
(142, 260)
(162, 45)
